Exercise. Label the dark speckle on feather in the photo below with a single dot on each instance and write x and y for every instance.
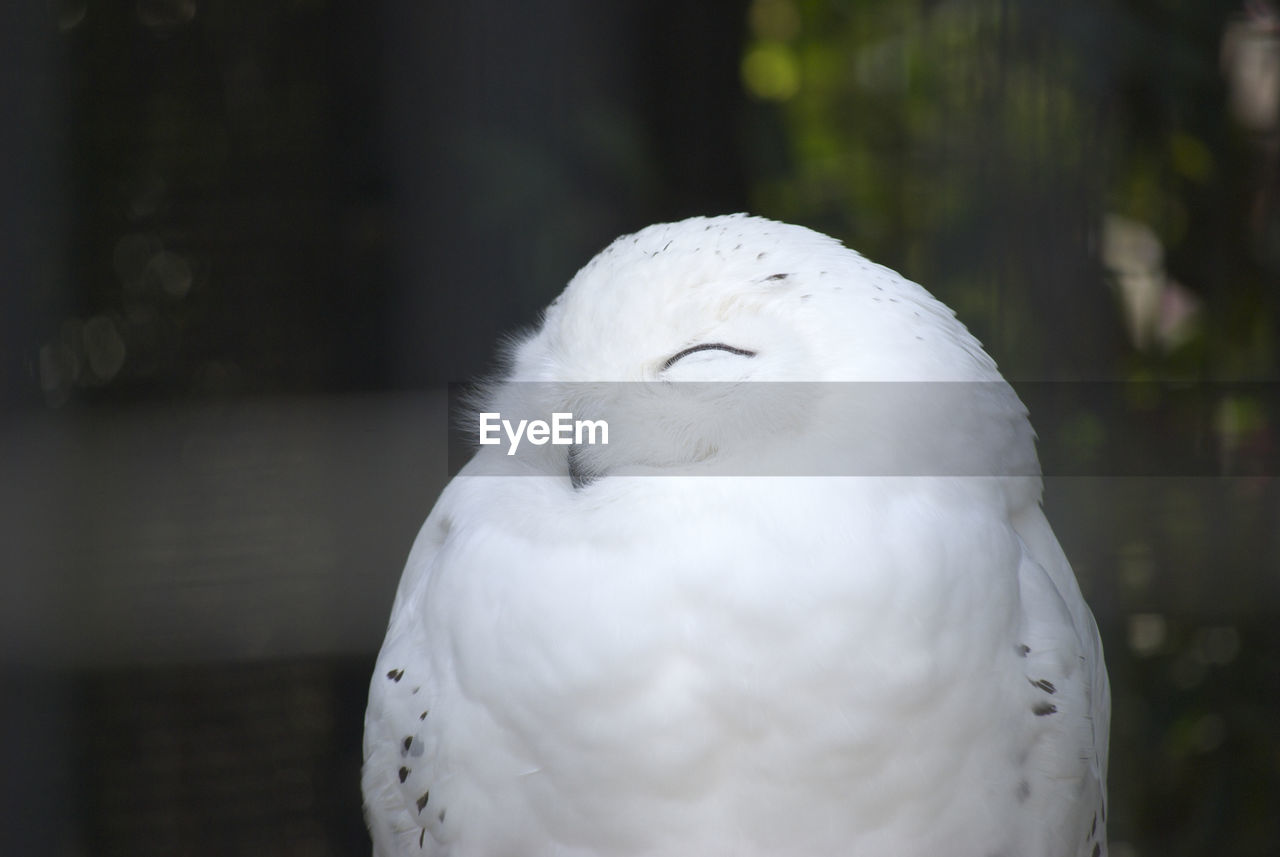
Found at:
(422, 801)
(1040, 709)
(1023, 650)
(408, 740)
(1044, 684)
(1097, 850)
(404, 773)
(760, 256)
(422, 835)
(423, 715)
(777, 276)
(395, 675)
(441, 816)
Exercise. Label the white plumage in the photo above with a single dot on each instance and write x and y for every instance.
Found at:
(671, 655)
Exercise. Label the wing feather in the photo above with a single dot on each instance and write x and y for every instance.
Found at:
(1067, 764)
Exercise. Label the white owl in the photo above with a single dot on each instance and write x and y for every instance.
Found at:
(766, 619)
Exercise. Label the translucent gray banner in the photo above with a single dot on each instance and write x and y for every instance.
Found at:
(589, 430)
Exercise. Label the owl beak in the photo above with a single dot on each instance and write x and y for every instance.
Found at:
(581, 473)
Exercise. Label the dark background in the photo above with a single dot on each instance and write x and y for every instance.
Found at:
(246, 244)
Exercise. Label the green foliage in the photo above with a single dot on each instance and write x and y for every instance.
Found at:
(1087, 185)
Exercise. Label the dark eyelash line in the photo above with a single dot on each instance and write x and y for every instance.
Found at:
(706, 346)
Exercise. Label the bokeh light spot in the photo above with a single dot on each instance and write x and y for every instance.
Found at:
(1147, 633)
(164, 16)
(132, 256)
(770, 72)
(776, 20)
(170, 272)
(69, 13)
(59, 367)
(1191, 157)
(103, 347)
(1218, 644)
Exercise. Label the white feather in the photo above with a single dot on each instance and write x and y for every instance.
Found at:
(673, 658)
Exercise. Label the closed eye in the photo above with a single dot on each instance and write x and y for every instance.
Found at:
(706, 346)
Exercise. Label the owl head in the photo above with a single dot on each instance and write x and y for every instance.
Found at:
(736, 345)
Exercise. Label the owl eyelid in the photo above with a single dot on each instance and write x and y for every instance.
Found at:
(706, 346)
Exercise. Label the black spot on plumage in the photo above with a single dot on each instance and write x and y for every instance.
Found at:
(1040, 709)
(441, 816)
(1097, 850)
(423, 715)
(1093, 828)
(760, 256)
(422, 836)
(422, 801)
(415, 690)
(777, 276)
(1044, 684)
(395, 675)
(404, 773)
(408, 741)
(1023, 650)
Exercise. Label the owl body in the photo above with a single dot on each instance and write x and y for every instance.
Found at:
(754, 625)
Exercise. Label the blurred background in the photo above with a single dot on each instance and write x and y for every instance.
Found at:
(246, 244)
